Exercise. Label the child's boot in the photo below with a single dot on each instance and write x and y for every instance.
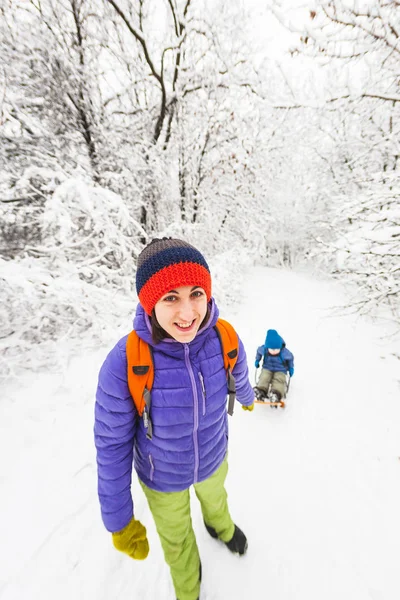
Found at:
(260, 394)
(275, 396)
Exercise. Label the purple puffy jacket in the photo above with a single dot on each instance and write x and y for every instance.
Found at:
(188, 412)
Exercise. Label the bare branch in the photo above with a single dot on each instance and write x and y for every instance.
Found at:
(139, 38)
(158, 76)
(366, 95)
(171, 5)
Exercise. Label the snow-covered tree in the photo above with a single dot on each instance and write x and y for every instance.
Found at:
(355, 48)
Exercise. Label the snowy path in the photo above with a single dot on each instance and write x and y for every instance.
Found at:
(316, 487)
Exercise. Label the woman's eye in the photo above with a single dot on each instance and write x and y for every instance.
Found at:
(169, 298)
(197, 294)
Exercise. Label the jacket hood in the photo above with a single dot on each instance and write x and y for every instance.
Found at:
(142, 326)
(273, 340)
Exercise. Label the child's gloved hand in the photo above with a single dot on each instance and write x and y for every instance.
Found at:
(132, 540)
(291, 371)
(248, 407)
(256, 364)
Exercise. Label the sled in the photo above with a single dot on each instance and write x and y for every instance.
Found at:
(269, 403)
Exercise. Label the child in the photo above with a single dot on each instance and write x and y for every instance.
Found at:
(277, 361)
(175, 316)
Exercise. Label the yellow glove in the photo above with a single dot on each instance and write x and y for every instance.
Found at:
(132, 540)
(248, 407)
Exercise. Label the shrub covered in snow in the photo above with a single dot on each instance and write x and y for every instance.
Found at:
(79, 276)
(42, 310)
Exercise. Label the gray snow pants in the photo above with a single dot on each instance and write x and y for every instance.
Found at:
(277, 379)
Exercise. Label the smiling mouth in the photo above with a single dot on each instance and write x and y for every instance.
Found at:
(185, 327)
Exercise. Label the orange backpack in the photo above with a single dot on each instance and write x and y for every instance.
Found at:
(141, 369)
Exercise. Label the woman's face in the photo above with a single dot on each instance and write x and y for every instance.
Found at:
(181, 311)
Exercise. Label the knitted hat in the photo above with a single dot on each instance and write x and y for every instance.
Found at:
(273, 340)
(166, 264)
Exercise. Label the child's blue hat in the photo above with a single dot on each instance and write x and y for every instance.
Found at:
(273, 340)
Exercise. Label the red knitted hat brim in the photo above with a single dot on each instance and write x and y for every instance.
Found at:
(172, 277)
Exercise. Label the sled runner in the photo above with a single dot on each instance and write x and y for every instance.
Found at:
(270, 399)
(279, 404)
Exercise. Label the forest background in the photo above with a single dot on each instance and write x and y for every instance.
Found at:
(264, 136)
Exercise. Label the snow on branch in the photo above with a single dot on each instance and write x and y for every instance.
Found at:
(368, 245)
(42, 310)
(79, 277)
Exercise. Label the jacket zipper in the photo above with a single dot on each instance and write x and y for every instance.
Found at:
(151, 467)
(204, 392)
(196, 413)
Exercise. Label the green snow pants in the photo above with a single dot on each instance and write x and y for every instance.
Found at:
(171, 513)
(277, 380)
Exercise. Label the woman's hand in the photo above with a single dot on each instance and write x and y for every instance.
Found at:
(132, 540)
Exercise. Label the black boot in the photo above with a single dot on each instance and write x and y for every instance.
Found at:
(211, 531)
(238, 543)
(259, 393)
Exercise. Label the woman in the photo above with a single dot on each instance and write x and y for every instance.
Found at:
(176, 317)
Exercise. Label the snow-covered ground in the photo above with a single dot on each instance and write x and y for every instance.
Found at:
(315, 487)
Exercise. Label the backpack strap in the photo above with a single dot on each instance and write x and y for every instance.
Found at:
(230, 350)
(140, 377)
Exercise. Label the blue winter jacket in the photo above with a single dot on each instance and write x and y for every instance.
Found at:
(280, 362)
(188, 412)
